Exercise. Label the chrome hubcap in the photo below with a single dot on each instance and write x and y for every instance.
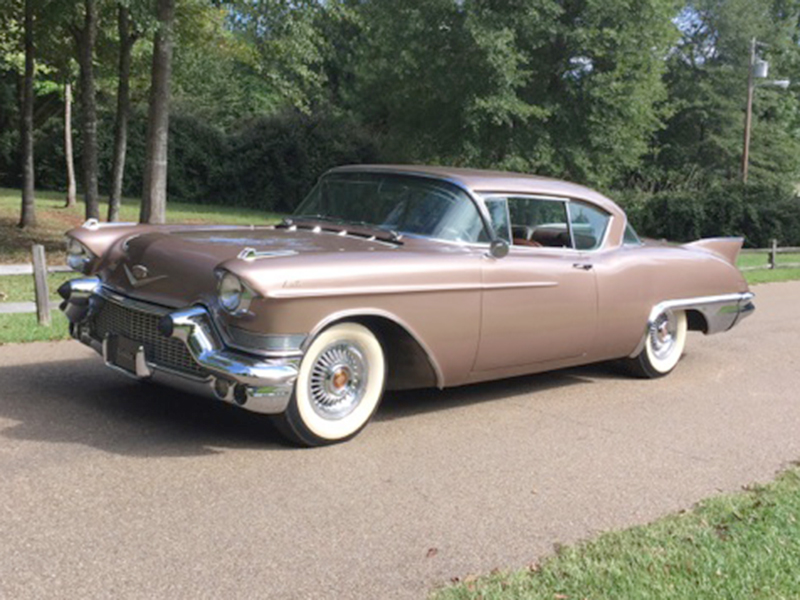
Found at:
(663, 334)
(338, 380)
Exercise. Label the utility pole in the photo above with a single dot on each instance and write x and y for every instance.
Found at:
(748, 115)
(758, 69)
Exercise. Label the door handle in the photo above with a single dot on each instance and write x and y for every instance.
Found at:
(583, 266)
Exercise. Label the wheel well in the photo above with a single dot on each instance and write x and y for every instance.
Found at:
(408, 364)
(696, 320)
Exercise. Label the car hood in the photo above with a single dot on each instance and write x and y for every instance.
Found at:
(180, 267)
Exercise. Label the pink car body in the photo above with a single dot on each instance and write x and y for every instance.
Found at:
(394, 277)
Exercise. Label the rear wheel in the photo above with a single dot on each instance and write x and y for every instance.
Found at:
(664, 343)
(338, 389)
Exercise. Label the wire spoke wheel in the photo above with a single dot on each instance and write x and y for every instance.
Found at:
(339, 386)
(338, 380)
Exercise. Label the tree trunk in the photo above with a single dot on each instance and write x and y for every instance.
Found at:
(28, 212)
(154, 197)
(86, 43)
(126, 41)
(71, 201)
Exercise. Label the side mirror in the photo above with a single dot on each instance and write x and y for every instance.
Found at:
(498, 248)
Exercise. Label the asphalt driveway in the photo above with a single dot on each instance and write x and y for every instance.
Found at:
(110, 488)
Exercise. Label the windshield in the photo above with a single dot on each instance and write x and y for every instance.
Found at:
(401, 203)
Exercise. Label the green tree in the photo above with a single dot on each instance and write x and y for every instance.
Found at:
(28, 212)
(566, 88)
(85, 36)
(289, 52)
(128, 33)
(706, 79)
(154, 196)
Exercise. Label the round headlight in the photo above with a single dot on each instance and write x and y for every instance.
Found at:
(230, 292)
(78, 256)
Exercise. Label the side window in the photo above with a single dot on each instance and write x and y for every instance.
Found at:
(631, 238)
(498, 216)
(539, 222)
(589, 225)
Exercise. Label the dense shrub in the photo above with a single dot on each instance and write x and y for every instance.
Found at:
(758, 213)
(272, 162)
(268, 163)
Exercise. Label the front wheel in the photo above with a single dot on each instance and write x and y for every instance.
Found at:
(338, 389)
(663, 346)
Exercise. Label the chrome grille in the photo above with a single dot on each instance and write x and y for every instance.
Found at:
(115, 319)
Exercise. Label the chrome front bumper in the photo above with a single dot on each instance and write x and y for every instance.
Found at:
(255, 383)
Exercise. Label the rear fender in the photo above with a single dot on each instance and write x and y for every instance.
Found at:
(726, 248)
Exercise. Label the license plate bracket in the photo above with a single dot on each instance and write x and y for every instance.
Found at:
(122, 352)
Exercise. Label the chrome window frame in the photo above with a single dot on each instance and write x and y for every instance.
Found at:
(602, 242)
(564, 200)
(475, 201)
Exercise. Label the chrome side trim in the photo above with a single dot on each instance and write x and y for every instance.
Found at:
(716, 309)
(372, 290)
(721, 312)
(271, 345)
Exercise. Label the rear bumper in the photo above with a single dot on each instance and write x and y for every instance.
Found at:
(255, 383)
(720, 312)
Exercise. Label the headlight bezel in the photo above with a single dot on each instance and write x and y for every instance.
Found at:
(238, 293)
(79, 257)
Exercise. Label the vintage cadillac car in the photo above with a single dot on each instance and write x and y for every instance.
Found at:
(394, 277)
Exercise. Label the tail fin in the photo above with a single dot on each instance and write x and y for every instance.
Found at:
(725, 247)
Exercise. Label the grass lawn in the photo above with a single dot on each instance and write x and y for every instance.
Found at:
(54, 220)
(769, 275)
(24, 328)
(19, 288)
(743, 545)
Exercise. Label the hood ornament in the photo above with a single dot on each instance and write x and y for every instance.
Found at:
(138, 275)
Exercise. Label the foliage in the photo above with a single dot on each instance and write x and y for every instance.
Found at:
(706, 80)
(757, 212)
(271, 163)
(641, 96)
(558, 88)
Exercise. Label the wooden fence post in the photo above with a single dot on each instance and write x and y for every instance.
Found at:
(773, 254)
(40, 283)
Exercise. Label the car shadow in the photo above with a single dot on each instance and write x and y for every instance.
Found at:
(402, 404)
(82, 402)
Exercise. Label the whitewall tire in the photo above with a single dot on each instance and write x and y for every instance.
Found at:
(664, 343)
(339, 386)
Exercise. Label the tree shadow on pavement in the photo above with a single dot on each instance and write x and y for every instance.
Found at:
(82, 402)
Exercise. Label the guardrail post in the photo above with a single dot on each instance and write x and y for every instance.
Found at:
(40, 283)
(773, 254)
